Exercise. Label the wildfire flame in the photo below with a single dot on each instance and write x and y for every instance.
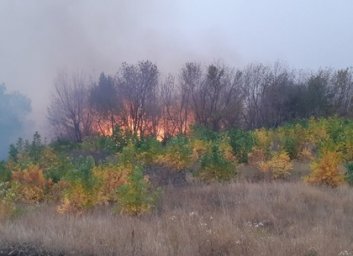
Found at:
(161, 129)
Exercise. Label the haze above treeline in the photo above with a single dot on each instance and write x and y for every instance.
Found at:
(41, 39)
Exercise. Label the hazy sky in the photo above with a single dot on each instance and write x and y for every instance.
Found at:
(38, 38)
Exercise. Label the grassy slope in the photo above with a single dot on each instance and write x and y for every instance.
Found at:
(234, 219)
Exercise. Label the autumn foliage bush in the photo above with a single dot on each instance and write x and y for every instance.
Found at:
(73, 177)
(326, 170)
(7, 205)
(136, 196)
(177, 154)
(216, 167)
(291, 141)
(109, 179)
(280, 165)
(149, 149)
(277, 166)
(263, 140)
(30, 184)
(76, 199)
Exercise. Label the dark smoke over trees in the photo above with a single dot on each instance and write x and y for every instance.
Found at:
(140, 100)
(14, 107)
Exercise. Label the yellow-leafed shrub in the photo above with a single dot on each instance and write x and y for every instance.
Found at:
(215, 166)
(306, 154)
(280, 165)
(48, 158)
(256, 157)
(227, 151)
(317, 131)
(76, 199)
(348, 149)
(263, 139)
(178, 154)
(326, 170)
(31, 184)
(101, 189)
(57, 190)
(7, 205)
(264, 166)
(109, 179)
(199, 148)
(137, 195)
(6, 209)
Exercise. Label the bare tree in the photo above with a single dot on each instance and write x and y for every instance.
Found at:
(106, 103)
(254, 85)
(190, 83)
(212, 97)
(233, 101)
(278, 97)
(223, 98)
(68, 112)
(169, 98)
(342, 88)
(138, 84)
(217, 97)
(318, 96)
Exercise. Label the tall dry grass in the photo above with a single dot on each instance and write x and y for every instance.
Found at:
(234, 219)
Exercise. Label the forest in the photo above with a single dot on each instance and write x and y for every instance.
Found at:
(184, 153)
(141, 100)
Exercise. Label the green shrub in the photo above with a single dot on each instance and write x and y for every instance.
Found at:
(128, 155)
(336, 128)
(63, 146)
(242, 143)
(5, 173)
(36, 148)
(177, 153)
(82, 172)
(59, 170)
(149, 149)
(291, 146)
(99, 143)
(122, 138)
(7, 209)
(291, 138)
(25, 153)
(204, 133)
(13, 153)
(137, 196)
(80, 184)
(214, 166)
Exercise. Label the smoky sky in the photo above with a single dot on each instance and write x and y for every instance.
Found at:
(14, 108)
(39, 38)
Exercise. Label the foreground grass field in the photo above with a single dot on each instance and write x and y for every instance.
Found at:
(233, 219)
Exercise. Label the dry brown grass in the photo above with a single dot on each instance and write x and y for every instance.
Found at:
(234, 219)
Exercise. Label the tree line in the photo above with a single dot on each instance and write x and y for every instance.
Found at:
(139, 100)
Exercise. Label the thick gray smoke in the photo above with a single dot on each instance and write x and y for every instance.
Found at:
(14, 108)
(39, 38)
